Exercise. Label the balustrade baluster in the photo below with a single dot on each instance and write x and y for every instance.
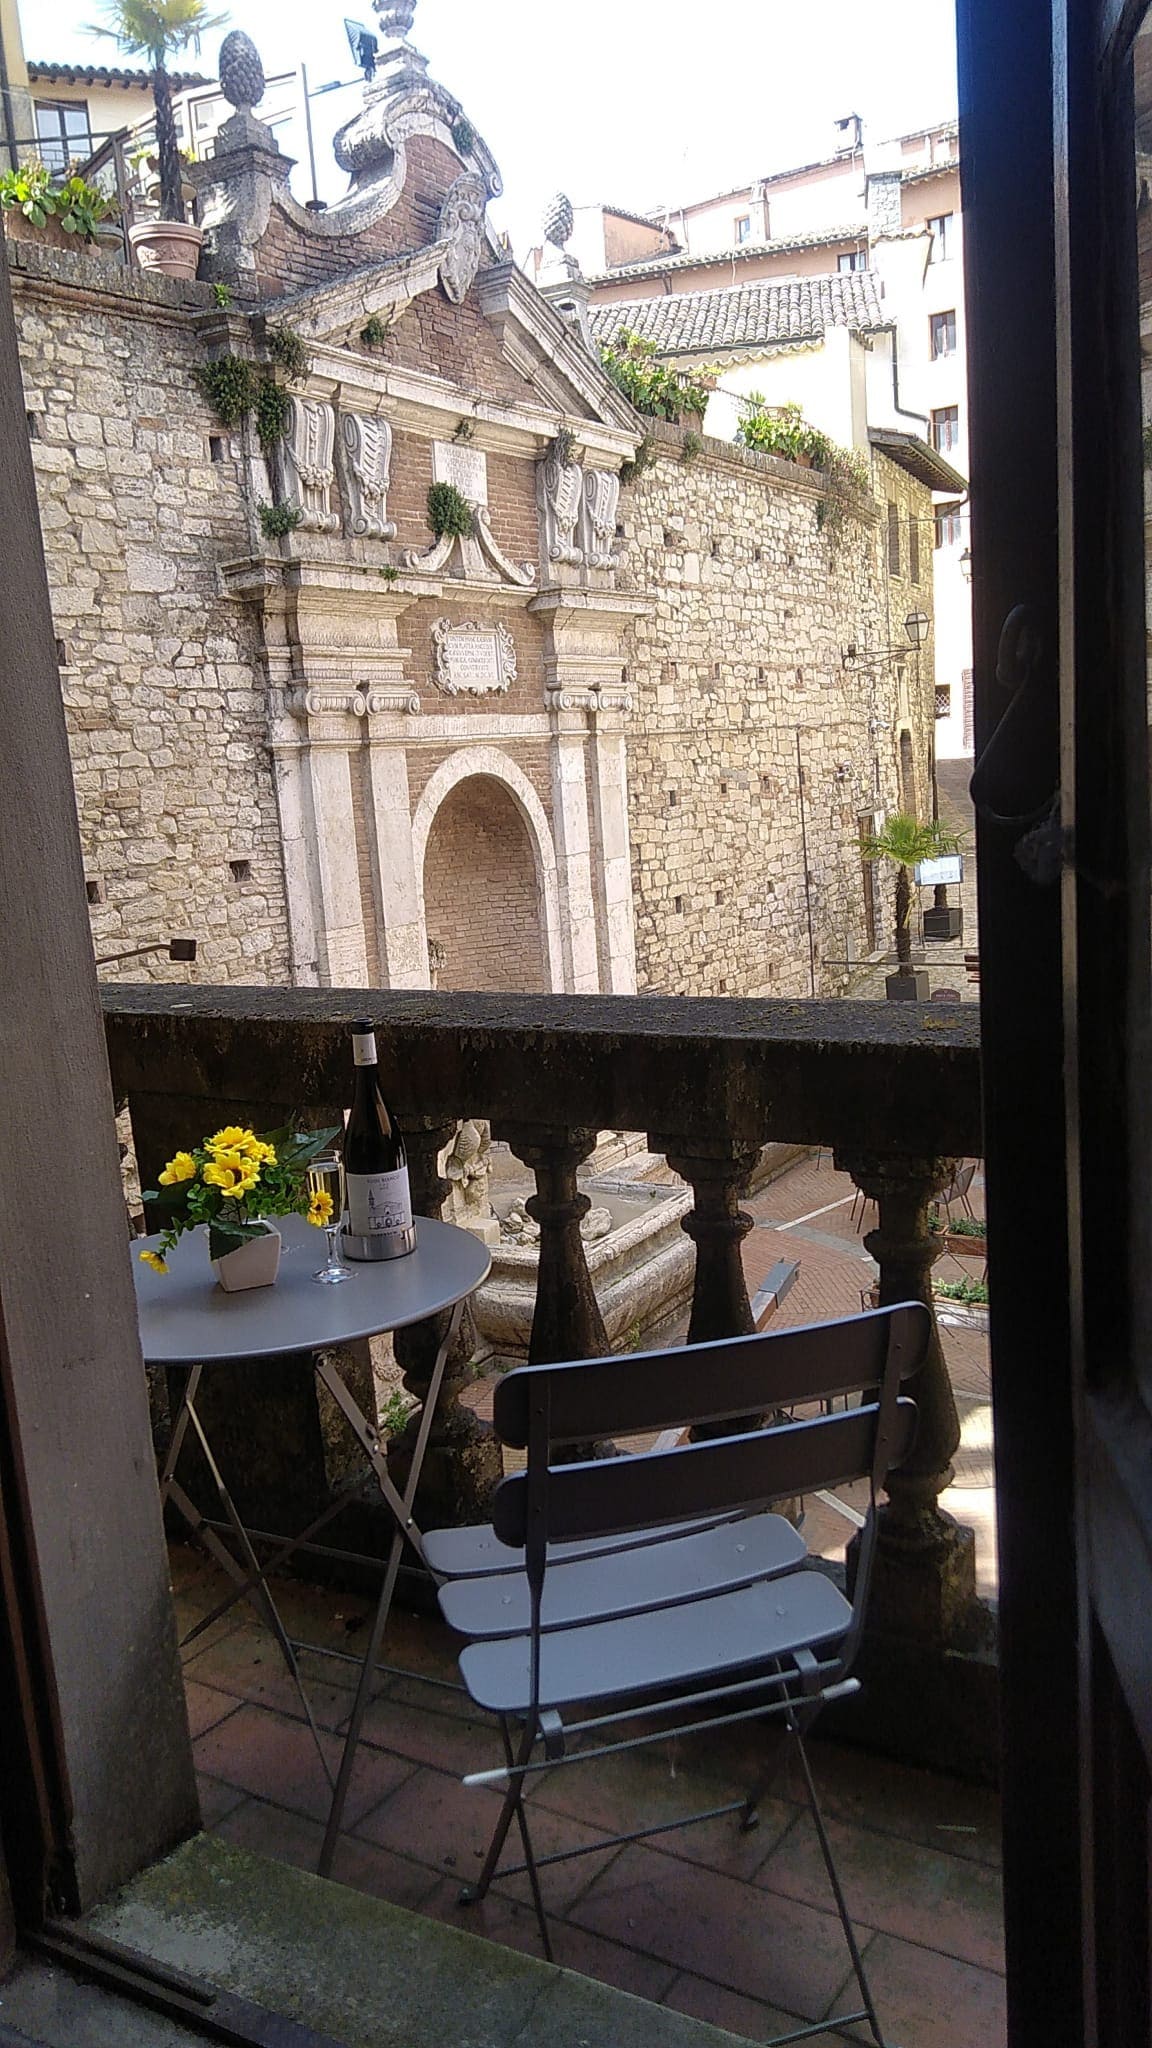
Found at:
(925, 1576)
(566, 1320)
(717, 1226)
(462, 1464)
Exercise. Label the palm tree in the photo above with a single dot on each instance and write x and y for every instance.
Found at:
(906, 841)
(158, 30)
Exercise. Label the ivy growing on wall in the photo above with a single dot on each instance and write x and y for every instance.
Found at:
(449, 512)
(664, 394)
(782, 430)
(289, 352)
(270, 402)
(228, 383)
(373, 332)
(277, 520)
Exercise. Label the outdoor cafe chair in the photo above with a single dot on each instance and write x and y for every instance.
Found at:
(657, 1587)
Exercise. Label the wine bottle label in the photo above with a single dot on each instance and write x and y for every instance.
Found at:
(378, 1202)
(364, 1048)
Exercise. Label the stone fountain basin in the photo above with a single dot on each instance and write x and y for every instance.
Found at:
(642, 1270)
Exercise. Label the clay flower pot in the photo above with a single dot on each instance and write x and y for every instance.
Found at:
(170, 246)
(253, 1264)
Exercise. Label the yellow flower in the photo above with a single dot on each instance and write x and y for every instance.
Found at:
(320, 1208)
(182, 1167)
(223, 1172)
(154, 1260)
(264, 1154)
(231, 1139)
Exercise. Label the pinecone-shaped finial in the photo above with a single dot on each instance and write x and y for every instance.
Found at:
(241, 72)
(559, 220)
(396, 17)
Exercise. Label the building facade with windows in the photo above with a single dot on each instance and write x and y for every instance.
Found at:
(888, 213)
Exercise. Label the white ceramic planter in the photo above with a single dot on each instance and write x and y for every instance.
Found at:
(171, 246)
(254, 1264)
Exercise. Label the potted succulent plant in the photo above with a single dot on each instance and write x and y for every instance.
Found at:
(159, 30)
(234, 1183)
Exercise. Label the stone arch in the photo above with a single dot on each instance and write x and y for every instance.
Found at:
(492, 765)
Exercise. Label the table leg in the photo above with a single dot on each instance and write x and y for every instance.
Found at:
(406, 1530)
(262, 1596)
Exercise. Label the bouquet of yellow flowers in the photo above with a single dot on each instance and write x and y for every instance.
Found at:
(232, 1182)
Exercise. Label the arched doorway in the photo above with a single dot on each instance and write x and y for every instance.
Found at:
(482, 893)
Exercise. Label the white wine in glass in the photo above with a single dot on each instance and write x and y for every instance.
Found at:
(326, 1177)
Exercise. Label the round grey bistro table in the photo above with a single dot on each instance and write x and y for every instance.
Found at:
(187, 1320)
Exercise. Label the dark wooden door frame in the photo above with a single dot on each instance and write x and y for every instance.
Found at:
(92, 1716)
(1006, 156)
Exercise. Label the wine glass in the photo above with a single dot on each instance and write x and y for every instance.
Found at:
(326, 1177)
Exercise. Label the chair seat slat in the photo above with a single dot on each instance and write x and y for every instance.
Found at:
(477, 1551)
(654, 1575)
(733, 1632)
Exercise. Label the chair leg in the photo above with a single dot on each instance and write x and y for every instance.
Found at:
(841, 1903)
(512, 1809)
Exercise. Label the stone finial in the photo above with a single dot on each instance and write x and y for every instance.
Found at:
(396, 17)
(241, 72)
(559, 220)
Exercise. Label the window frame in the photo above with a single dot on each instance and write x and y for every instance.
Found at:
(941, 227)
(942, 326)
(949, 416)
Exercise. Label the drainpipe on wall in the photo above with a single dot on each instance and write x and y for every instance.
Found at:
(6, 97)
(897, 408)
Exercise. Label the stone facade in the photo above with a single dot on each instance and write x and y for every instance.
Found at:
(557, 750)
(751, 738)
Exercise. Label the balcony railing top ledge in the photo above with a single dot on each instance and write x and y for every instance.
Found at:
(881, 1077)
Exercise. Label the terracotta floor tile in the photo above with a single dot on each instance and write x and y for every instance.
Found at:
(514, 1924)
(744, 2016)
(652, 1786)
(763, 1946)
(422, 1732)
(922, 1806)
(289, 1838)
(216, 1799)
(946, 1903)
(248, 1664)
(275, 1758)
(448, 1827)
(925, 2000)
(206, 1706)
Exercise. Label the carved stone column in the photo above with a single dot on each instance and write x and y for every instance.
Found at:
(462, 1464)
(925, 1573)
(566, 1321)
(717, 1226)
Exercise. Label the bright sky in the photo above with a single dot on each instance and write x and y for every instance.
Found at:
(625, 100)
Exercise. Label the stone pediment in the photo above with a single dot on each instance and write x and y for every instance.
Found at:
(560, 376)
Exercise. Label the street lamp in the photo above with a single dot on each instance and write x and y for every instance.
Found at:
(917, 626)
(966, 565)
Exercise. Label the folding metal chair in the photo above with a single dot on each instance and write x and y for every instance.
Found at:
(686, 1621)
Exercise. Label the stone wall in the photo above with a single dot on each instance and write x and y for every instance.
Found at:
(160, 676)
(748, 733)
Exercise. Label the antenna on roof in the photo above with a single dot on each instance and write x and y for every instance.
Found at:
(856, 123)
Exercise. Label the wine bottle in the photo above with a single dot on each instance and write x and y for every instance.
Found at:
(375, 1166)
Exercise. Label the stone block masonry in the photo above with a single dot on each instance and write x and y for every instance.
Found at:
(756, 757)
(140, 496)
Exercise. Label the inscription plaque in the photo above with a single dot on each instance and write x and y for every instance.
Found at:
(473, 660)
(453, 462)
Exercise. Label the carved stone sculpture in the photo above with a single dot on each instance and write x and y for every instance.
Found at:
(467, 1167)
(461, 228)
(598, 523)
(368, 443)
(309, 475)
(560, 489)
(473, 660)
(241, 72)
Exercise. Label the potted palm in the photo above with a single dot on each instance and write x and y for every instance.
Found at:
(159, 30)
(906, 842)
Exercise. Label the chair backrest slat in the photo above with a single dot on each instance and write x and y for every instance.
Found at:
(614, 1494)
(706, 1383)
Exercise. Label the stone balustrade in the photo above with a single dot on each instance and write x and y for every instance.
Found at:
(894, 1090)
